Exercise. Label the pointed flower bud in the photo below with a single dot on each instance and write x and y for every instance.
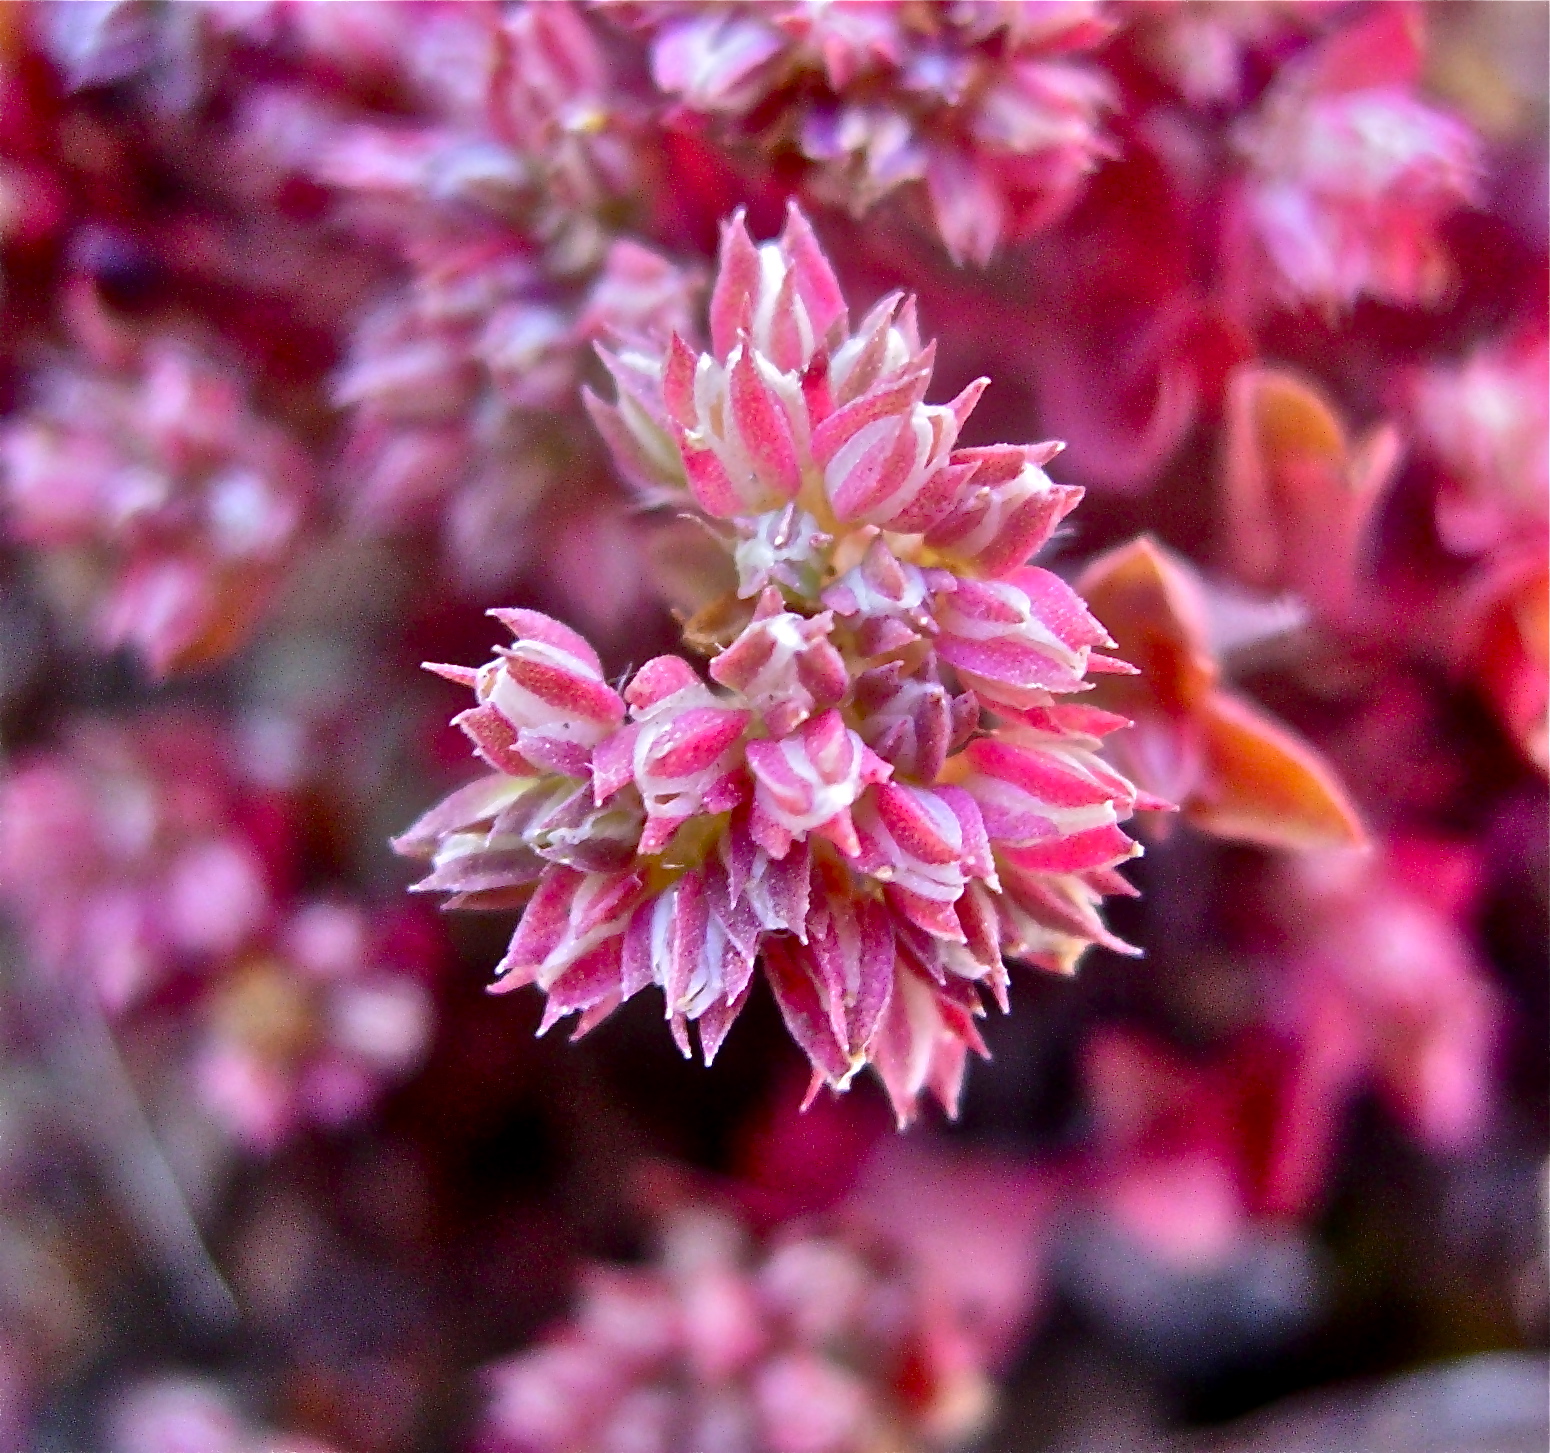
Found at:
(784, 548)
(784, 665)
(543, 702)
(912, 722)
(807, 781)
(683, 750)
(1013, 640)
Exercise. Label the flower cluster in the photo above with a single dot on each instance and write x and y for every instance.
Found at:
(161, 503)
(153, 878)
(983, 111)
(461, 385)
(885, 794)
(1351, 173)
(806, 1343)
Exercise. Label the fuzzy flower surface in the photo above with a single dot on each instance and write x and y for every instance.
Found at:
(162, 504)
(805, 1343)
(879, 792)
(986, 115)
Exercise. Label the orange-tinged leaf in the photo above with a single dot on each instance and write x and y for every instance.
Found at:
(1149, 601)
(1284, 414)
(1298, 492)
(1504, 643)
(1263, 784)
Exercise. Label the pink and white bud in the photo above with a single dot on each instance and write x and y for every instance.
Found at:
(884, 600)
(1007, 511)
(1052, 919)
(1050, 804)
(806, 783)
(924, 845)
(912, 722)
(881, 453)
(1013, 640)
(782, 295)
(784, 665)
(923, 1040)
(782, 548)
(636, 426)
(741, 428)
(570, 940)
(699, 949)
(543, 703)
(682, 750)
(833, 986)
(881, 350)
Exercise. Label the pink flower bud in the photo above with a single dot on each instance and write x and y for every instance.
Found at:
(570, 940)
(1050, 804)
(744, 447)
(784, 548)
(783, 295)
(884, 601)
(784, 665)
(636, 427)
(1014, 639)
(923, 1041)
(924, 844)
(1007, 511)
(912, 722)
(699, 948)
(1051, 919)
(549, 690)
(683, 750)
(807, 782)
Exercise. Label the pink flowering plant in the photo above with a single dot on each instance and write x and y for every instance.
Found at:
(880, 792)
(624, 358)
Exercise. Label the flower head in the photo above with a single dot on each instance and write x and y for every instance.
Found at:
(877, 796)
(804, 1343)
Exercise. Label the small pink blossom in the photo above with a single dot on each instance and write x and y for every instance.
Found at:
(808, 781)
(160, 486)
(1351, 174)
(806, 1344)
(784, 664)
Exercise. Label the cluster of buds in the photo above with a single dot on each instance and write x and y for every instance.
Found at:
(802, 1346)
(978, 109)
(310, 1028)
(161, 504)
(878, 794)
(461, 388)
(1350, 173)
(150, 879)
(461, 385)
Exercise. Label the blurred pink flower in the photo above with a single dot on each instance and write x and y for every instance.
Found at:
(159, 501)
(979, 112)
(804, 1344)
(1486, 423)
(136, 851)
(1351, 173)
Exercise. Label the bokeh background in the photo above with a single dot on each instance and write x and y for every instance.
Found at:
(298, 301)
